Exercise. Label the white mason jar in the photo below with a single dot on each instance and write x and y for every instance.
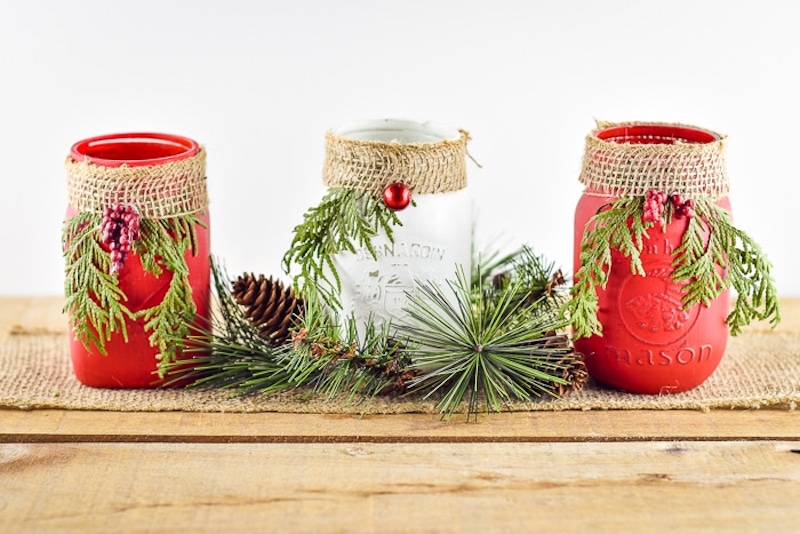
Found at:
(436, 232)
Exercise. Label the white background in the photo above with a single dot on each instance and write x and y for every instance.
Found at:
(259, 83)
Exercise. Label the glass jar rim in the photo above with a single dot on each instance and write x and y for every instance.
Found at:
(656, 133)
(399, 130)
(135, 149)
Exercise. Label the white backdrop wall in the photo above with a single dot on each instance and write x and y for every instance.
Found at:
(259, 83)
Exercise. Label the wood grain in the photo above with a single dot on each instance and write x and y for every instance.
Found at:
(572, 471)
(369, 487)
(78, 426)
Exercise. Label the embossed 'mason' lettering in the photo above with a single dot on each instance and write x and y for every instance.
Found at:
(642, 357)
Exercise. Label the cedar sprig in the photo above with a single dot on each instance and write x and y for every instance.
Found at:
(471, 343)
(713, 256)
(344, 220)
(726, 257)
(94, 301)
(619, 225)
(98, 307)
(167, 241)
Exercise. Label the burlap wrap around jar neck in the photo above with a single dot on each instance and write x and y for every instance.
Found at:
(369, 166)
(665, 163)
(159, 191)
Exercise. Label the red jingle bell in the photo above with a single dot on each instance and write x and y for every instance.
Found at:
(397, 196)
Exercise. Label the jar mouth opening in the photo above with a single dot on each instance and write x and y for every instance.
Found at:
(398, 131)
(134, 149)
(656, 134)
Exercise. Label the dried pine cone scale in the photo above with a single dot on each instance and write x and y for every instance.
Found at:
(270, 305)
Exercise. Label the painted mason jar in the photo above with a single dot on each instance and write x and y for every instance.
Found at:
(137, 254)
(649, 340)
(418, 169)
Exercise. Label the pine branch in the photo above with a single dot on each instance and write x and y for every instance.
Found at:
(469, 345)
(230, 353)
(339, 363)
(700, 259)
(344, 219)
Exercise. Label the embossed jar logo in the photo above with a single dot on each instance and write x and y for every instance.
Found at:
(651, 307)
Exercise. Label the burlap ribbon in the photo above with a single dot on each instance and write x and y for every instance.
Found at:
(158, 191)
(631, 169)
(370, 166)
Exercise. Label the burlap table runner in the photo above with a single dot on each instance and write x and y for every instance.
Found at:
(761, 368)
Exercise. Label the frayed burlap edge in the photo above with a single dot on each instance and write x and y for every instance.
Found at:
(161, 191)
(370, 166)
(625, 169)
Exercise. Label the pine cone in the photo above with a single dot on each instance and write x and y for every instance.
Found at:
(575, 373)
(271, 306)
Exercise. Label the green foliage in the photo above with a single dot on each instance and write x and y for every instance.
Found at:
(474, 342)
(713, 256)
(524, 356)
(98, 307)
(726, 257)
(343, 220)
(617, 225)
(94, 302)
(230, 353)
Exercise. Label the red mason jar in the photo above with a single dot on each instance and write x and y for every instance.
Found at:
(162, 177)
(650, 343)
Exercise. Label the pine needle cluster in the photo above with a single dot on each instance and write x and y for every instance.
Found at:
(489, 342)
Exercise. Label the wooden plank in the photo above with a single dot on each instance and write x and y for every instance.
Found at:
(368, 487)
(59, 426)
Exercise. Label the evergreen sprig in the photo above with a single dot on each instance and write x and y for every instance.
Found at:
(519, 345)
(726, 257)
(469, 344)
(343, 220)
(617, 225)
(230, 353)
(713, 256)
(96, 304)
(94, 301)
(536, 278)
(338, 362)
(227, 352)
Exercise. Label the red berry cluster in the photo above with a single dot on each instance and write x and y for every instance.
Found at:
(120, 229)
(654, 202)
(683, 208)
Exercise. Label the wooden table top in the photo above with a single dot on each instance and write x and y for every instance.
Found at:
(571, 471)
